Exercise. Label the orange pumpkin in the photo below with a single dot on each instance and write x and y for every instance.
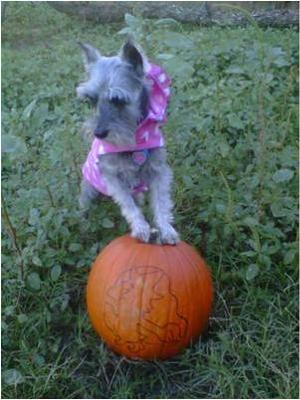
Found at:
(146, 300)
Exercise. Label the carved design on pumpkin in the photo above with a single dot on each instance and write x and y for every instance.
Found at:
(146, 291)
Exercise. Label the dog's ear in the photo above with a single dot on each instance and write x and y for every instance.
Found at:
(91, 55)
(132, 55)
(88, 89)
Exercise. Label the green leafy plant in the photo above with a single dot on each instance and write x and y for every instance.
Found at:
(232, 141)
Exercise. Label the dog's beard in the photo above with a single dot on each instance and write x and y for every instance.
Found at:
(121, 136)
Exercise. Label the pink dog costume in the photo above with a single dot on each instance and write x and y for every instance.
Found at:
(147, 135)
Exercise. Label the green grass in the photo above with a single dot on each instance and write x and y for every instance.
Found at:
(232, 141)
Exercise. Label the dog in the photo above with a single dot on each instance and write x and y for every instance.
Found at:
(128, 156)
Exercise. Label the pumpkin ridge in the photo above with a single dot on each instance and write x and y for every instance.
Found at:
(203, 275)
(192, 302)
(170, 263)
(183, 272)
(150, 325)
(110, 273)
(132, 256)
(134, 270)
(143, 291)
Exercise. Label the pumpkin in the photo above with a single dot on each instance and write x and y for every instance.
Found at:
(149, 301)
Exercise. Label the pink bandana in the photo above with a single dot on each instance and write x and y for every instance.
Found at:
(147, 135)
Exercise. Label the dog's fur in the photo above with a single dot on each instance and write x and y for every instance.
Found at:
(118, 89)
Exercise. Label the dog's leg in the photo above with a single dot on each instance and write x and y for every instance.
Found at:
(140, 199)
(87, 195)
(140, 228)
(162, 205)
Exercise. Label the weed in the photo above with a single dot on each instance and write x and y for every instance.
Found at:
(232, 140)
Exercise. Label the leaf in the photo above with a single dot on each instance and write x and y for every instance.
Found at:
(289, 256)
(64, 301)
(39, 360)
(264, 260)
(40, 115)
(254, 181)
(276, 51)
(253, 244)
(37, 261)
(125, 31)
(180, 69)
(250, 221)
(12, 144)
(13, 377)
(165, 56)
(235, 121)
(268, 77)
(249, 253)
(206, 123)
(281, 62)
(282, 208)
(166, 22)
(94, 249)
(224, 149)
(74, 247)
(252, 272)
(55, 272)
(283, 175)
(48, 134)
(221, 208)
(107, 223)
(177, 40)
(9, 310)
(234, 70)
(34, 281)
(34, 216)
(131, 20)
(22, 318)
(28, 110)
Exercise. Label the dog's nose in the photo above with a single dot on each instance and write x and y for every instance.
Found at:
(101, 133)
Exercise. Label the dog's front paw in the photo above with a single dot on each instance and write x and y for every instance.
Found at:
(168, 235)
(141, 232)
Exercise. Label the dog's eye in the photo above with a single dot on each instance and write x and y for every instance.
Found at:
(93, 99)
(118, 101)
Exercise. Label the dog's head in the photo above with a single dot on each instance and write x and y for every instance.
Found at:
(117, 88)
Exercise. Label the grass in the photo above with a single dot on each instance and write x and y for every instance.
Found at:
(232, 141)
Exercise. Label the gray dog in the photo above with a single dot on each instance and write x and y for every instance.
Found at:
(127, 156)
